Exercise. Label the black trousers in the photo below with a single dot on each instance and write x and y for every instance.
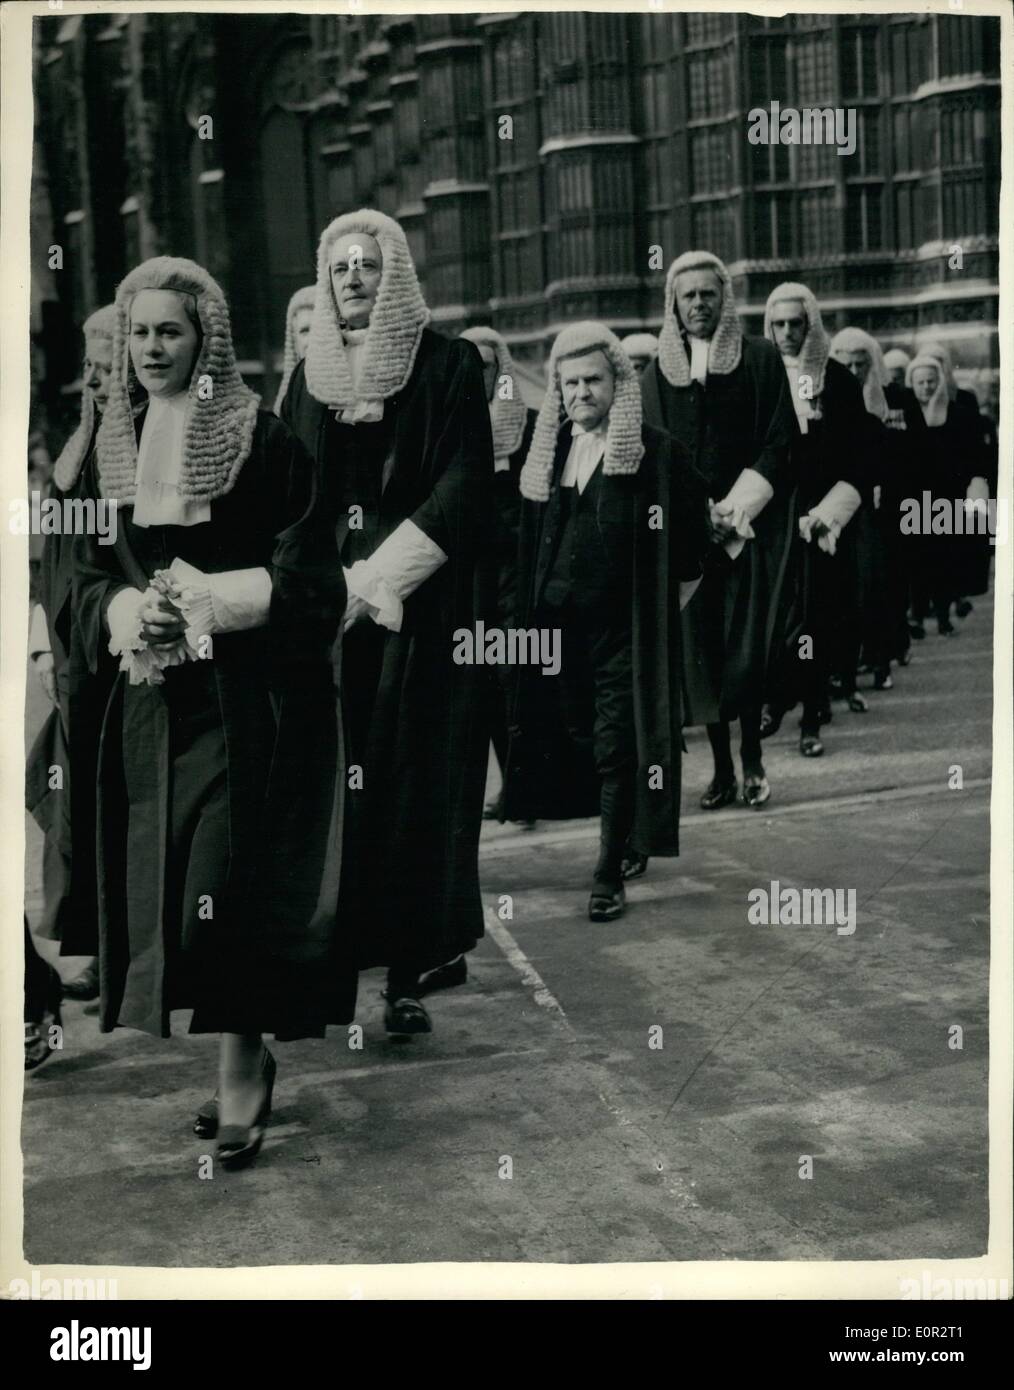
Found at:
(43, 990)
(596, 702)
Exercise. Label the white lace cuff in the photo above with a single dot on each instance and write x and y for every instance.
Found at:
(745, 500)
(394, 571)
(750, 493)
(144, 665)
(839, 504)
(826, 540)
(230, 601)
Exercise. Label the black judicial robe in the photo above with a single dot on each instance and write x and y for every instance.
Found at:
(267, 958)
(546, 777)
(507, 501)
(840, 445)
(735, 625)
(419, 723)
(945, 460)
(66, 815)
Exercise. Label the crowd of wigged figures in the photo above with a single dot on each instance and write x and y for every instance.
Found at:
(273, 758)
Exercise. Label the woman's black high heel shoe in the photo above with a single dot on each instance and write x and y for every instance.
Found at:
(239, 1145)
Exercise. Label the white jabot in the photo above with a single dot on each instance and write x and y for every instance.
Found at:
(160, 467)
(365, 412)
(699, 358)
(802, 406)
(586, 451)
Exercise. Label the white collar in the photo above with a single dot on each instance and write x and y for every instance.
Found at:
(599, 431)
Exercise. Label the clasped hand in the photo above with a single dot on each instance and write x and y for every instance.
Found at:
(162, 622)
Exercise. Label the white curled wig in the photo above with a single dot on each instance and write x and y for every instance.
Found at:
(396, 323)
(98, 328)
(220, 422)
(932, 347)
(507, 417)
(896, 357)
(935, 410)
(855, 340)
(816, 345)
(641, 344)
(303, 299)
(726, 346)
(624, 445)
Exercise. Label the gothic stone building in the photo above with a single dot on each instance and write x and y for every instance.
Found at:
(546, 166)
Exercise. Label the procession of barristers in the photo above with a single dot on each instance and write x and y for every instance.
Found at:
(274, 772)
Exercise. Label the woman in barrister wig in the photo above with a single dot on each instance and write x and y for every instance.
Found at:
(945, 449)
(220, 773)
(512, 424)
(298, 318)
(66, 814)
(397, 419)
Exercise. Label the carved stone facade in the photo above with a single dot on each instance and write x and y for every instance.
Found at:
(547, 166)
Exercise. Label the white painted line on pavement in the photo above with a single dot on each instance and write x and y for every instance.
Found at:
(544, 997)
(541, 992)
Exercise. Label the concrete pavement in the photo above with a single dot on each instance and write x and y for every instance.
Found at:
(547, 1118)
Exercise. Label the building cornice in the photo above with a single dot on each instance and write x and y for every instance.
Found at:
(559, 143)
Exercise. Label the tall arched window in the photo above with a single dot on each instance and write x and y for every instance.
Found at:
(291, 223)
(289, 227)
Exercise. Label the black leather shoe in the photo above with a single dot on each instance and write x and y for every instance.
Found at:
(719, 794)
(883, 680)
(945, 629)
(857, 704)
(917, 631)
(633, 864)
(239, 1145)
(810, 746)
(37, 1048)
(84, 986)
(756, 791)
(605, 905)
(206, 1119)
(963, 607)
(446, 976)
(405, 1017)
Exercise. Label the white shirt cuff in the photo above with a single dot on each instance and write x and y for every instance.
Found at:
(123, 617)
(978, 491)
(745, 500)
(394, 571)
(839, 504)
